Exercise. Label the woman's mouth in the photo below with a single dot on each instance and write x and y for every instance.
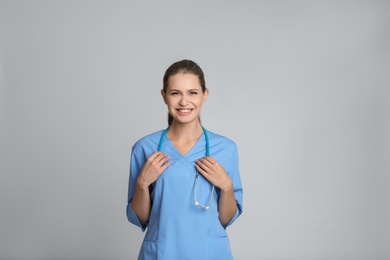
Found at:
(184, 111)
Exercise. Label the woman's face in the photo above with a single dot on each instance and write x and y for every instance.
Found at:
(184, 97)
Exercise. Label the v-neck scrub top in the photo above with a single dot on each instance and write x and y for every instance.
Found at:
(177, 228)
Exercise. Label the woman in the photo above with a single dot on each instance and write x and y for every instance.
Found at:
(184, 186)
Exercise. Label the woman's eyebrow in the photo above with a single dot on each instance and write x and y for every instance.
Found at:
(193, 89)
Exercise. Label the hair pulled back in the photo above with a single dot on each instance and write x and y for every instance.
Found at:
(183, 66)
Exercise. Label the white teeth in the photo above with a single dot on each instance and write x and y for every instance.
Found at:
(184, 110)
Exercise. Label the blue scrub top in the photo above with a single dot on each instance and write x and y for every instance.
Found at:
(177, 228)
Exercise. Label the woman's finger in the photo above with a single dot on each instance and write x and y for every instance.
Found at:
(201, 171)
(210, 159)
(202, 163)
(154, 155)
(165, 165)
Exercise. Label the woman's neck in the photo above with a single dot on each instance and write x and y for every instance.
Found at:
(184, 132)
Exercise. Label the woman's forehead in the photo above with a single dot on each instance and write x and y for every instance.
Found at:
(184, 81)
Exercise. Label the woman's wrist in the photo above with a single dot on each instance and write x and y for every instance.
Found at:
(227, 187)
(141, 184)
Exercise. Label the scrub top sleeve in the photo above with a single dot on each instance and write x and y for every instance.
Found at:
(234, 174)
(136, 164)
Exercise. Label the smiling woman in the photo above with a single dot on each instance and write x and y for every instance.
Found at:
(184, 97)
(171, 191)
(184, 78)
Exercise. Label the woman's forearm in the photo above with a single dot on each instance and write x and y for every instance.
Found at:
(227, 205)
(141, 202)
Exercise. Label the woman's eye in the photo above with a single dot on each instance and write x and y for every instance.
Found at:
(174, 93)
(193, 93)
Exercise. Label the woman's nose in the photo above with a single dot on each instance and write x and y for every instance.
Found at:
(183, 100)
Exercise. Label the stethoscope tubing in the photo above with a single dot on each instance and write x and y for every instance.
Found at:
(197, 173)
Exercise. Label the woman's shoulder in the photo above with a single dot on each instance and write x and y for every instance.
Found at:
(150, 140)
(221, 139)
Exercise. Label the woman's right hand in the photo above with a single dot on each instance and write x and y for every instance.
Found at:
(154, 166)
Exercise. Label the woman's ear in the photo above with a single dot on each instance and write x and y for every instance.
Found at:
(163, 96)
(205, 95)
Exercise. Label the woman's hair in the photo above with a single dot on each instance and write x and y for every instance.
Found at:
(183, 66)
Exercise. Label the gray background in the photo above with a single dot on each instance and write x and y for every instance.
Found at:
(301, 86)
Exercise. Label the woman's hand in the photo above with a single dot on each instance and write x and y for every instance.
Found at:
(214, 173)
(154, 166)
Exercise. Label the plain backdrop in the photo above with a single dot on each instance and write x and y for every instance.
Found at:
(302, 87)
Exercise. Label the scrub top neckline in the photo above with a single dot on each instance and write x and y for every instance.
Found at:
(190, 152)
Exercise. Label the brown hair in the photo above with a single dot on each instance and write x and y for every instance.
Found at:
(183, 66)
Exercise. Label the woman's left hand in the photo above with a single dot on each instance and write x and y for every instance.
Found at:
(214, 172)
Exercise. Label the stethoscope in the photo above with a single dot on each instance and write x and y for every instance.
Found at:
(197, 173)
